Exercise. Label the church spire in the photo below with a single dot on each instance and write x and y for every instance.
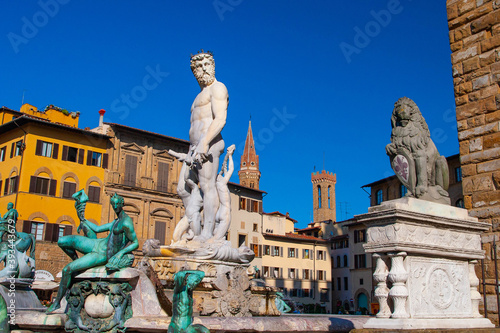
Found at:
(249, 167)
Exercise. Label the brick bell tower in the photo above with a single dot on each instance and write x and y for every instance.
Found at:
(324, 195)
(249, 167)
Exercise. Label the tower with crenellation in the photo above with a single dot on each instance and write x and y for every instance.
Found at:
(324, 196)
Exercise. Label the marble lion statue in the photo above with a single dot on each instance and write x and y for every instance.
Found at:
(414, 156)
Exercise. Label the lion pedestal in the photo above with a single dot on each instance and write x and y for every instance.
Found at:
(425, 252)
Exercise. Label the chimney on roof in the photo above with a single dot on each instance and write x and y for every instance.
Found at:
(101, 117)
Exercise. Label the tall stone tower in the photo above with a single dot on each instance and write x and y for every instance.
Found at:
(324, 196)
(249, 167)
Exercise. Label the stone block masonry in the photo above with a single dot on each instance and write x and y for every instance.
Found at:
(474, 31)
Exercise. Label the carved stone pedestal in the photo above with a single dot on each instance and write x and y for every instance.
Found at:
(425, 265)
(19, 296)
(224, 292)
(102, 302)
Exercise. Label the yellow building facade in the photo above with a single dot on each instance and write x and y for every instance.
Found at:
(42, 163)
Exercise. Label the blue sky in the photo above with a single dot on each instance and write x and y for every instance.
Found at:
(319, 78)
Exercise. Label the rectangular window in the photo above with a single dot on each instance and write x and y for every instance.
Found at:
(243, 203)
(37, 230)
(94, 194)
(11, 185)
(305, 274)
(294, 292)
(130, 170)
(267, 250)
(160, 231)
(321, 275)
(306, 293)
(61, 231)
(72, 154)
(291, 252)
(42, 185)
(305, 254)
(276, 273)
(16, 148)
(339, 287)
(255, 249)
(360, 236)
(320, 255)
(266, 271)
(323, 296)
(346, 283)
(162, 183)
(458, 174)
(3, 152)
(242, 240)
(255, 227)
(69, 189)
(360, 261)
(96, 159)
(43, 148)
(292, 273)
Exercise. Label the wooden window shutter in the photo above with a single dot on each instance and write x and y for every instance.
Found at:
(272, 250)
(12, 149)
(27, 227)
(160, 231)
(16, 184)
(260, 206)
(55, 151)
(68, 230)
(162, 182)
(105, 161)
(49, 231)
(260, 251)
(52, 187)
(81, 153)
(38, 150)
(0, 186)
(64, 156)
(32, 184)
(281, 251)
(281, 272)
(89, 157)
(6, 189)
(130, 170)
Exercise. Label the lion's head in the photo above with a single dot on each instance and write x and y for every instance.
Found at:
(409, 128)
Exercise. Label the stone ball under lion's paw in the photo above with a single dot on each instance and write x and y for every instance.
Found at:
(98, 306)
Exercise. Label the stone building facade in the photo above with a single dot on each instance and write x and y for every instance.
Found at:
(146, 176)
(475, 44)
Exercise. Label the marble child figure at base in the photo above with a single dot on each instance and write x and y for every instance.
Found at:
(114, 251)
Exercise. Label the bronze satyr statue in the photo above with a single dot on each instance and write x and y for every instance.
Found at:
(414, 157)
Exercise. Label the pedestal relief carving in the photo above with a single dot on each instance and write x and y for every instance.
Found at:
(432, 249)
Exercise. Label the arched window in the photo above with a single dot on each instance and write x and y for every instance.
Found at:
(338, 261)
(379, 197)
(329, 206)
(460, 203)
(345, 261)
(319, 196)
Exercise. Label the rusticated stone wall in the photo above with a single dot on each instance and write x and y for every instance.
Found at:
(475, 44)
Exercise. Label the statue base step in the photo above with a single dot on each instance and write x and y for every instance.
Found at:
(19, 296)
(441, 323)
